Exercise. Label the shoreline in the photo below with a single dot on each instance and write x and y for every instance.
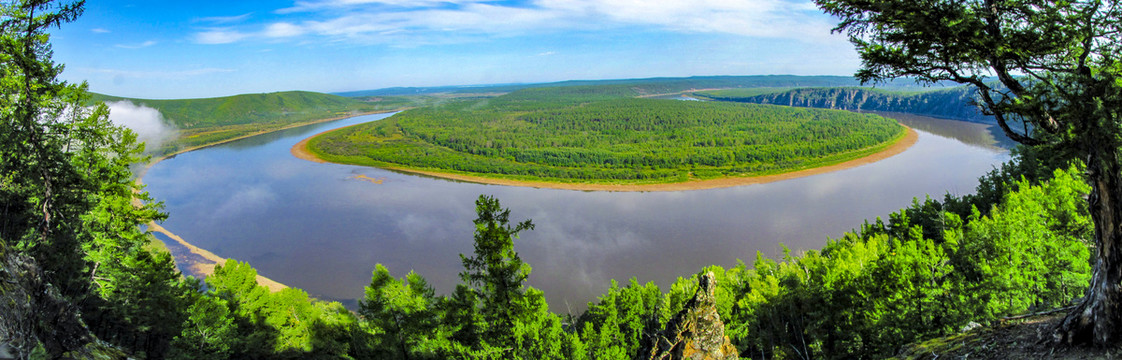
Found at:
(300, 150)
(207, 268)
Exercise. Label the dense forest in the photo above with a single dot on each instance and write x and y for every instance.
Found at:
(599, 133)
(78, 278)
(950, 103)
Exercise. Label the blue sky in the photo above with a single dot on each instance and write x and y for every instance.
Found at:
(174, 49)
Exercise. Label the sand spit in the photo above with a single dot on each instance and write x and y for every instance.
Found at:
(207, 268)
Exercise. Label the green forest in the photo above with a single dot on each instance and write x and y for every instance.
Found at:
(599, 134)
(80, 279)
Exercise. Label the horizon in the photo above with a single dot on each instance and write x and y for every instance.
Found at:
(158, 50)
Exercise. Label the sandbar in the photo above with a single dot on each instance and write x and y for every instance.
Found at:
(300, 150)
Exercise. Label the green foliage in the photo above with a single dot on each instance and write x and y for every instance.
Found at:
(69, 224)
(491, 316)
(404, 314)
(208, 332)
(1052, 66)
(578, 136)
(496, 272)
(616, 326)
(284, 324)
(868, 293)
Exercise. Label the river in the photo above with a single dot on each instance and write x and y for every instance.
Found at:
(323, 227)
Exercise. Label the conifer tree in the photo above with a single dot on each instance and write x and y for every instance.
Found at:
(496, 272)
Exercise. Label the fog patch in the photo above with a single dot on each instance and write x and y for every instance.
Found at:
(146, 122)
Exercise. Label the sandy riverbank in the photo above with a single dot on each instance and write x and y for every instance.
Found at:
(206, 268)
(300, 150)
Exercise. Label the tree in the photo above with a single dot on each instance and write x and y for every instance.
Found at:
(68, 223)
(208, 331)
(496, 271)
(1053, 67)
(401, 312)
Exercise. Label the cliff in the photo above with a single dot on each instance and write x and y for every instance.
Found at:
(696, 332)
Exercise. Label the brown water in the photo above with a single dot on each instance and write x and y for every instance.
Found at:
(323, 227)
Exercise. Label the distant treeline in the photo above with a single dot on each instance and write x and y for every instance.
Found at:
(953, 103)
(597, 133)
(647, 86)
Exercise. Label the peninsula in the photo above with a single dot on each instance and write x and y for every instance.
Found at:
(582, 139)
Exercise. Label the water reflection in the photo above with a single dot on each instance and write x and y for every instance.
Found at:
(317, 227)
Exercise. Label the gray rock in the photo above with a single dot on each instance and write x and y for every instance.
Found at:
(696, 332)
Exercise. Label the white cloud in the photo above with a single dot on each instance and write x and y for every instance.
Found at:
(137, 46)
(100, 30)
(759, 18)
(224, 19)
(307, 6)
(146, 122)
(373, 20)
(283, 30)
(219, 37)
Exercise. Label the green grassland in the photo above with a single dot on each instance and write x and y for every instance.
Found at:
(601, 134)
(201, 122)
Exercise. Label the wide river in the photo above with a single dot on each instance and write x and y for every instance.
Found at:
(323, 227)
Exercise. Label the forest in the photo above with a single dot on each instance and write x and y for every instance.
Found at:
(79, 279)
(600, 134)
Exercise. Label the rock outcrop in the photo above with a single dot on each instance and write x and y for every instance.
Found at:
(696, 332)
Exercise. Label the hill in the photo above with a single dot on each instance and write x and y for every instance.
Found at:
(210, 120)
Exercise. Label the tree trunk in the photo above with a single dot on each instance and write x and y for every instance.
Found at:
(1098, 319)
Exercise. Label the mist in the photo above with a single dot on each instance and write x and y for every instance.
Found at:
(146, 122)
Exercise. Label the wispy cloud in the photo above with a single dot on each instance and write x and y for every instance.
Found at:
(221, 20)
(375, 20)
(311, 6)
(220, 36)
(137, 46)
(282, 29)
(100, 30)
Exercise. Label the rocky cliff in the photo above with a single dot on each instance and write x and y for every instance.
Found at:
(696, 332)
(954, 103)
